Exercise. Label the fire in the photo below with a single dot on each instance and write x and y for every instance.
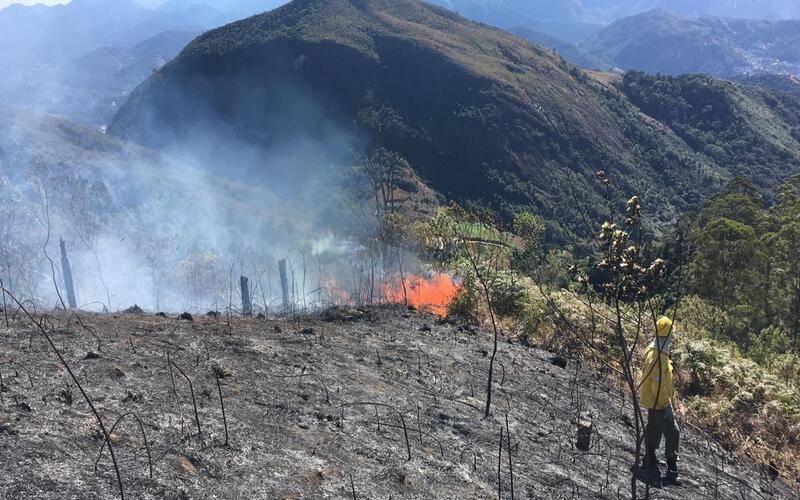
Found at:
(430, 293)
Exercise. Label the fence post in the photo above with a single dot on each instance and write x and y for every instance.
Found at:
(284, 283)
(66, 269)
(247, 306)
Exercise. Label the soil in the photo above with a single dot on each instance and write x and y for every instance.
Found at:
(315, 408)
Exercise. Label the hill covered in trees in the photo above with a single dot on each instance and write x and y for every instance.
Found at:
(784, 83)
(484, 117)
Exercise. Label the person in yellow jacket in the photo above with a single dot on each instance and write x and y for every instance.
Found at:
(656, 391)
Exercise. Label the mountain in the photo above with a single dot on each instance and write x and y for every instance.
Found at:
(575, 16)
(487, 118)
(563, 20)
(81, 59)
(609, 10)
(504, 12)
(39, 36)
(570, 52)
(662, 42)
(90, 88)
(237, 8)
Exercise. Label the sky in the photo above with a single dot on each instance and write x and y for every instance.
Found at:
(6, 3)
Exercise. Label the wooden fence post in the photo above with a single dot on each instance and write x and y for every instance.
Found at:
(284, 283)
(66, 269)
(247, 306)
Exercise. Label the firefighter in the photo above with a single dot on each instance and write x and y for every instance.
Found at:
(656, 391)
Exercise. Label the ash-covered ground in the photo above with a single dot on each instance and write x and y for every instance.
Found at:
(298, 398)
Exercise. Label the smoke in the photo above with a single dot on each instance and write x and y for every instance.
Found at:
(174, 230)
(82, 59)
(257, 174)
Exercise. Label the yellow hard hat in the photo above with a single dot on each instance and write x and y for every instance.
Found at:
(663, 326)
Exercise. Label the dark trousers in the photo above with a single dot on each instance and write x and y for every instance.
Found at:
(662, 422)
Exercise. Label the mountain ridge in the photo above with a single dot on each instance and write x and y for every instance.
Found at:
(660, 41)
(490, 119)
(570, 52)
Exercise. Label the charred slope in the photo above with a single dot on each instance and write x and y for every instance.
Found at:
(489, 118)
(295, 427)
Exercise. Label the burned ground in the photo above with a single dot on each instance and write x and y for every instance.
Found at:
(316, 408)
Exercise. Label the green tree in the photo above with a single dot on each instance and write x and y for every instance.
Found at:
(788, 255)
(725, 262)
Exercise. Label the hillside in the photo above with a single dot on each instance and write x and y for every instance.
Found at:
(28, 138)
(744, 128)
(789, 84)
(301, 418)
(751, 9)
(487, 118)
(587, 13)
(570, 52)
(62, 58)
(91, 88)
(662, 42)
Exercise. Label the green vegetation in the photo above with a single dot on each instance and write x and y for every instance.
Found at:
(490, 121)
(747, 131)
(730, 277)
(789, 84)
(746, 262)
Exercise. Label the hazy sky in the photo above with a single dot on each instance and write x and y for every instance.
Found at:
(6, 3)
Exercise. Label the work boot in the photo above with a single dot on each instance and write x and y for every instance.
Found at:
(649, 466)
(650, 461)
(672, 473)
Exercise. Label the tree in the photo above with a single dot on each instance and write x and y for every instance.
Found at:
(619, 268)
(530, 228)
(627, 280)
(734, 265)
(85, 205)
(381, 165)
(788, 254)
(725, 263)
(382, 169)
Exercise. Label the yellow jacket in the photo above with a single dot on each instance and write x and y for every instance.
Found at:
(656, 388)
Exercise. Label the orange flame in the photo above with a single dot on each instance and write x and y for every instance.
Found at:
(433, 294)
